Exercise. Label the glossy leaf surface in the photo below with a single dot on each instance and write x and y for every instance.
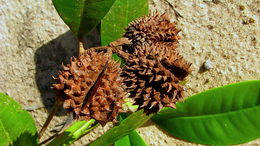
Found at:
(16, 125)
(121, 13)
(118, 17)
(82, 15)
(132, 122)
(220, 116)
(132, 139)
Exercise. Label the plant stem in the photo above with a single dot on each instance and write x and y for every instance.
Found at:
(120, 42)
(55, 108)
(74, 132)
(47, 140)
(68, 122)
(85, 128)
(81, 47)
(114, 49)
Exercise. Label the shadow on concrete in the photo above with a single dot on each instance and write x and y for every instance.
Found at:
(49, 57)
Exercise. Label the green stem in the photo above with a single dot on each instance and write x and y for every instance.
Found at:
(84, 129)
(74, 132)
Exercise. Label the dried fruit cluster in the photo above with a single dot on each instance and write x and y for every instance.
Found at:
(91, 87)
(92, 84)
(153, 67)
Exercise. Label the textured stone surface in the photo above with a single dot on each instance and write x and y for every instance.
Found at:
(34, 41)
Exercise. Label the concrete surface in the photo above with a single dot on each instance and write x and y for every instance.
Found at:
(34, 41)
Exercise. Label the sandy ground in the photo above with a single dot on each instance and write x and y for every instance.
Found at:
(34, 41)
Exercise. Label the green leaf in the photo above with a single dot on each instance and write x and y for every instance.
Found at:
(220, 116)
(132, 122)
(121, 13)
(124, 141)
(16, 125)
(82, 15)
(26, 139)
(132, 139)
(73, 133)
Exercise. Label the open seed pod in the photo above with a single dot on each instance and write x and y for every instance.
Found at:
(91, 87)
(149, 82)
(151, 29)
(171, 59)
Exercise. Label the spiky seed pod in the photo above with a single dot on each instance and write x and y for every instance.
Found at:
(151, 84)
(152, 28)
(165, 54)
(91, 87)
(171, 59)
(153, 65)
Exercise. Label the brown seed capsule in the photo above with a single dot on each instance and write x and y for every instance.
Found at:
(152, 28)
(91, 87)
(171, 59)
(149, 82)
(153, 65)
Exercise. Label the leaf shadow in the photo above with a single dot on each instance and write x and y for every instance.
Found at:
(49, 57)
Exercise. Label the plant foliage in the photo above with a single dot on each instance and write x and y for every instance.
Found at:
(73, 133)
(132, 139)
(220, 116)
(132, 122)
(118, 17)
(121, 13)
(16, 125)
(82, 15)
